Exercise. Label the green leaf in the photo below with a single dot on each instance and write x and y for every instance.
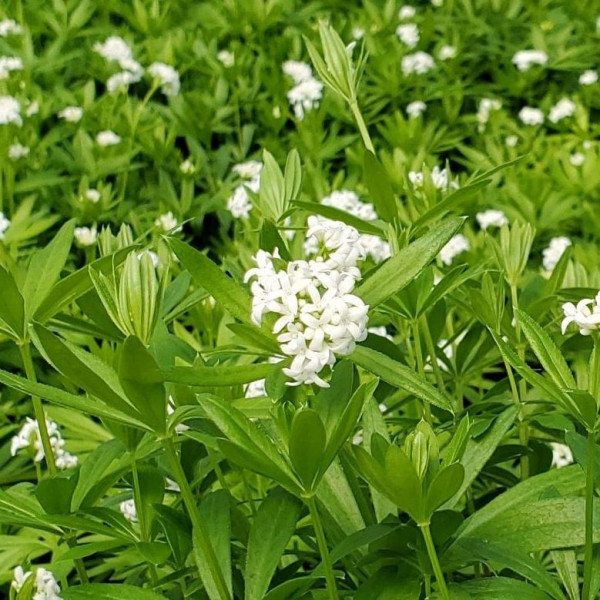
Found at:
(498, 588)
(380, 188)
(399, 375)
(55, 493)
(219, 375)
(306, 446)
(270, 239)
(45, 267)
(389, 584)
(108, 591)
(546, 351)
(12, 305)
(271, 196)
(444, 485)
(273, 526)
(292, 177)
(143, 383)
(399, 270)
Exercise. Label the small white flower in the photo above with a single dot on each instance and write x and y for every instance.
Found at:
(16, 151)
(585, 314)
(551, 254)
(32, 109)
(305, 96)
(577, 159)
(239, 204)
(10, 109)
(72, 114)
(128, 510)
(455, 246)
(85, 236)
(226, 58)
(250, 169)
(561, 110)
(561, 455)
(121, 81)
(419, 63)
(115, 49)
(531, 116)
(358, 33)
(10, 27)
(107, 138)
(167, 76)
(416, 109)
(588, 77)
(511, 140)
(525, 59)
(437, 3)
(168, 222)
(381, 332)
(255, 389)
(439, 178)
(19, 578)
(187, 167)
(408, 34)
(92, 195)
(406, 12)
(4, 225)
(447, 53)
(8, 64)
(491, 218)
(486, 106)
(299, 71)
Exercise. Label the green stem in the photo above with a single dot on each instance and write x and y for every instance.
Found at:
(361, 126)
(435, 563)
(200, 534)
(421, 366)
(323, 550)
(38, 409)
(79, 565)
(431, 351)
(589, 517)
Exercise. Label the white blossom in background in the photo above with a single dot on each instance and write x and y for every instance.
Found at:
(439, 178)
(585, 314)
(381, 331)
(406, 12)
(358, 33)
(93, 195)
(4, 225)
(525, 59)
(187, 167)
(226, 58)
(437, 3)
(319, 317)
(29, 438)
(305, 96)
(107, 138)
(299, 71)
(168, 222)
(511, 140)
(491, 218)
(256, 389)
(239, 203)
(486, 106)
(8, 64)
(121, 81)
(32, 109)
(577, 159)
(46, 586)
(128, 510)
(250, 169)
(10, 27)
(551, 255)
(418, 62)
(10, 111)
(167, 76)
(561, 110)
(72, 114)
(561, 455)
(416, 109)
(115, 49)
(153, 257)
(447, 53)
(85, 236)
(455, 246)
(16, 151)
(408, 34)
(587, 144)
(588, 77)
(531, 116)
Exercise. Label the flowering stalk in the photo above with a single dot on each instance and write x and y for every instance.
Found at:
(38, 409)
(421, 366)
(435, 563)
(360, 122)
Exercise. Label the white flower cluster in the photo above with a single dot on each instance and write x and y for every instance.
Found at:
(10, 111)
(418, 62)
(415, 109)
(455, 246)
(16, 151)
(406, 12)
(168, 222)
(511, 140)
(128, 510)
(561, 455)
(187, 167)
(167, 76)
(381, 331)
(93, 195)
(8, 64)
(226, 58)
(408, 34)
(486, 106)
(585, 314)
(551, 254)
(439, 178)
(320, 318)
(447, 52)
(588, 77)
(29, 437)
(85, 236)
(71, 114)
(4, 225)
(239, 204)
(46, 586)
(531, 116)
(307, 92)
(561, 110)
(10, 27)
(577, 159)
(349, 202)
(525, 59)
(256, 389)
(491, 218)
(107, 138)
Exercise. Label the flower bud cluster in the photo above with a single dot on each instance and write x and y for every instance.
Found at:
(585, 314)
(46, 587)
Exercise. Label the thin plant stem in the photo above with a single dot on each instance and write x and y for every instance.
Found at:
(200, 533)
(361, 126)
(435, 563)
(38, 409)
(323, 550)
(420, 366)
(71, 540)
(431, 351)
(589, 517)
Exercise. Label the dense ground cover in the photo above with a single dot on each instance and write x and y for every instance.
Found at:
(299, 299)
